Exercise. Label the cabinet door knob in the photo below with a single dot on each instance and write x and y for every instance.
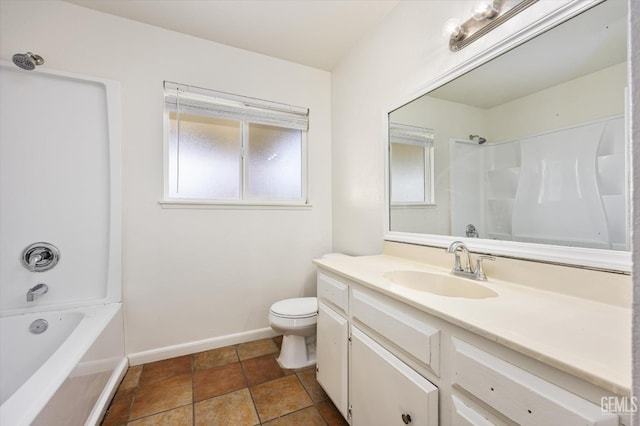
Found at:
(406, 419)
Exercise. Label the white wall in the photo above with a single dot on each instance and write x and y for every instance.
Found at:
(590, 97)
(188, 274)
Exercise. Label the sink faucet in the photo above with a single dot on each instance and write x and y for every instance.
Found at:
(454, 248)
(469, 272)
(36, 291)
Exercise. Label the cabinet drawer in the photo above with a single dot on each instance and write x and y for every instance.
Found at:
(518, 394)
(403, 326)
(464, 415)
(333, 291)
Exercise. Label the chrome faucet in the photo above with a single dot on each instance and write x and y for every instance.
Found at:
(468, 271)
(454, 248)
(34, 259)
(40, 257)
(36, 291)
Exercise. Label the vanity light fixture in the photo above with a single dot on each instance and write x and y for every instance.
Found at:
(486, 15)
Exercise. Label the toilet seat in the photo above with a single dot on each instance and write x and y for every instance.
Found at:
(301, 307)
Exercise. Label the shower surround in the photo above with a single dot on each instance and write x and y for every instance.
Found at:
(62, 337)
(563, 187)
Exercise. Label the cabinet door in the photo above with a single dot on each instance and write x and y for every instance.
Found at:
(385, 391)
(332, 347)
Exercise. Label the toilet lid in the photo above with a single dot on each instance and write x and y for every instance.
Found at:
(301, 307)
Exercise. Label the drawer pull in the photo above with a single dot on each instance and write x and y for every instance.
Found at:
(406, 419)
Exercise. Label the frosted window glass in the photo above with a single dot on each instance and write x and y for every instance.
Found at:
(206, 162)
(407, 173)
(274, 162)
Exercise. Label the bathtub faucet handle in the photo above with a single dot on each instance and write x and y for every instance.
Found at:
(36, 291)
(40, 257)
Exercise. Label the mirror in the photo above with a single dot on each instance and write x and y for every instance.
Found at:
(529, 147)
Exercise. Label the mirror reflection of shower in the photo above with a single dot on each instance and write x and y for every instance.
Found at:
(27, 61)
(477, 138)
(471, 231)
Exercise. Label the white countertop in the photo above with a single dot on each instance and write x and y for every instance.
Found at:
(583, 337)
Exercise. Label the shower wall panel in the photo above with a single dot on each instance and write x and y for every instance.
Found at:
(565, 187)
(54, 185)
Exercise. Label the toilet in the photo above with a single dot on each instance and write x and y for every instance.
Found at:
(296, 320)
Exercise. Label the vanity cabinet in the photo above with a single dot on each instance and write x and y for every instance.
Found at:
(385, 362)
(368, 383)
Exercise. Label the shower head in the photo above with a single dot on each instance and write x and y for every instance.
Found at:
(27, 61)
(481, 140)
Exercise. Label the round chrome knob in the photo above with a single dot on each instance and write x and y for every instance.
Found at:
(39, 257)
(406, 419)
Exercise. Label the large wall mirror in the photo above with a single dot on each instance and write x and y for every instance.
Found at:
(526, 154)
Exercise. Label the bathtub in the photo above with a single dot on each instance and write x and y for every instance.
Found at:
(67, 374)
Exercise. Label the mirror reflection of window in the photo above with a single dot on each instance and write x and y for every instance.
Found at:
(411, 165)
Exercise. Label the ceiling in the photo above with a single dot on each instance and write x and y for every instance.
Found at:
(317, 33)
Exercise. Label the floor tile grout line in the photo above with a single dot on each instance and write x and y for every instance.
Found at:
(313, 403)
(246, 380)
(154, 384)
(155, 414)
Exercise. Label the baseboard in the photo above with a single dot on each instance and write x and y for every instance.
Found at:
(199, 346)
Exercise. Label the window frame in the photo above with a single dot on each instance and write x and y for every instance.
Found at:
(266, 202)
(416, 136)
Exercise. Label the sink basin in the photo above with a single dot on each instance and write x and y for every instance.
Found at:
(440, 284)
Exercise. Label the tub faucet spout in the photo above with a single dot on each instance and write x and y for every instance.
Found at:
(36, 291)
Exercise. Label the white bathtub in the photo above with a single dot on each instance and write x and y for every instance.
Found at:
(67, 374)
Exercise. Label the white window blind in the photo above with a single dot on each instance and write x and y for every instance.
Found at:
(413, 135)
(194, 100)
(222, 148)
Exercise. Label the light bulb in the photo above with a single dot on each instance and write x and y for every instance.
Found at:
(484, 9)
(453, 29)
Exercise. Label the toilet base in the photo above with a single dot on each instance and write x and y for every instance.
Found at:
(297, 352)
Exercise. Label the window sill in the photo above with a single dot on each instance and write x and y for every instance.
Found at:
(230, 205)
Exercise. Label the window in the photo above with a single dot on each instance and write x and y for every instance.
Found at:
(230, 149)
(411, 165)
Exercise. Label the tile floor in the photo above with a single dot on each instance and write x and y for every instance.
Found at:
(233, 386)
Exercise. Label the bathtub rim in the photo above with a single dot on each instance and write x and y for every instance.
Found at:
(109, 391)
(31, 397)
